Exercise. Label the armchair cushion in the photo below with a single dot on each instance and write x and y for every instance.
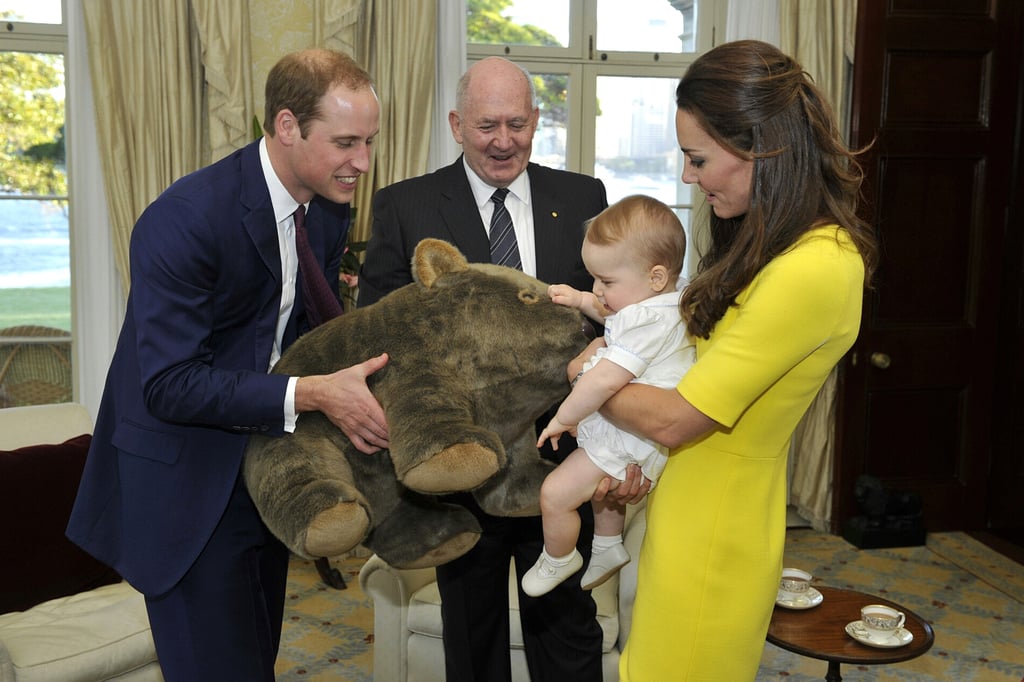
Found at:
(407, 615)
(37, 489)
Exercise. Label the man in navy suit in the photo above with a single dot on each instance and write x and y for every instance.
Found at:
(494, 121)
(213, 304)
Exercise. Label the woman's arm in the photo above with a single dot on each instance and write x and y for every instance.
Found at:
(661, 414)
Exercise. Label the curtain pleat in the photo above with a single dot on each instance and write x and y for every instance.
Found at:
(336, 23)
(225, 35)
(403, 68)
(142, 59)
(820, 35)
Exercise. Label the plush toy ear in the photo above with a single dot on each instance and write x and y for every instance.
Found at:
(434, 258)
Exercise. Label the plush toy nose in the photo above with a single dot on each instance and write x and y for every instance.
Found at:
(588, 330)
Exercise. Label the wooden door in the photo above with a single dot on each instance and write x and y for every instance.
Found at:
(1006, 501)
(934, 87)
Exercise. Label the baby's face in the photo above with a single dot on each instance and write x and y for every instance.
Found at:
(619, 278)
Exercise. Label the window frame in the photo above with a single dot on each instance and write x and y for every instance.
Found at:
(49, 38)
(585, 64)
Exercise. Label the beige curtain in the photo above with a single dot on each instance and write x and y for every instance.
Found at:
(398, 49)
(820, 35)
(144, 62)
(225, 33)
(242, 40)
(176, 86)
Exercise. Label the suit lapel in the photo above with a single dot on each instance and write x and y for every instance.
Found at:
(460, 215)
(548, 228)
(260, 222)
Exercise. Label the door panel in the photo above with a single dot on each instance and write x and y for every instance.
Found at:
(917, 396)
(1006, 503)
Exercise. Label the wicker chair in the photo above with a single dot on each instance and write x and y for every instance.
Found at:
(35, 366)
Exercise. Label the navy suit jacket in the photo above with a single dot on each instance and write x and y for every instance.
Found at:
(188, 381)
(441, 205)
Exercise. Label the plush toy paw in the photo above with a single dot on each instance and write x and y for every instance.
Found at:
(462, 466)
(336, 530)
(421, 533)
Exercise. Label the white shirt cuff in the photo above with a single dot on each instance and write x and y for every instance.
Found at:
(289, 406)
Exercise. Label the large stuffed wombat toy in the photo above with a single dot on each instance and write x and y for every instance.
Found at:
(477, 353)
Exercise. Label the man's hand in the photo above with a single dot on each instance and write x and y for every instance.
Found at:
(346, 401)
(632, 490)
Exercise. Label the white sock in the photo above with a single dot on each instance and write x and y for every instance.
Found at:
(603, 542)
(560, 560)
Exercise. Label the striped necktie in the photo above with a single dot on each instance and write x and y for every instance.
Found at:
(504, 250)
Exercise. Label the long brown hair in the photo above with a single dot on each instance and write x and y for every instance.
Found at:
(760, 104)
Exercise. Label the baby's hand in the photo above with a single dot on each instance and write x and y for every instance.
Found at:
(563, 294)
(553, 430)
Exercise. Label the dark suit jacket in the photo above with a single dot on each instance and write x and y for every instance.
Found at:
(441, 205)
(188, 381)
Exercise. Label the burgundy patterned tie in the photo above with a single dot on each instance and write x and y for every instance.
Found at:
(321, 303)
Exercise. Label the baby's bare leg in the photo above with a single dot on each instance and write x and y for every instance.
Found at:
(564, 490)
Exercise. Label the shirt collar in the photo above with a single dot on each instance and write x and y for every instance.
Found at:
(280, 198)
(519, 188)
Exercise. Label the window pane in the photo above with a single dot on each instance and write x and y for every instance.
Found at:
(520, 22)
(550, 138)
(35, 280)
(635, 148)
(647, 25)
(34, 11)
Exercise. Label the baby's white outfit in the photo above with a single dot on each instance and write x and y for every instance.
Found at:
(649, 339)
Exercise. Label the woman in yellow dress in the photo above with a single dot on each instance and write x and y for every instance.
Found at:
(775, 304)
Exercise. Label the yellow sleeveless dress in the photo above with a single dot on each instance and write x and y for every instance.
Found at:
(710, 561)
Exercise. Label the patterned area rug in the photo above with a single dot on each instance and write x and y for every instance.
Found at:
(972, 596)
(328, 633)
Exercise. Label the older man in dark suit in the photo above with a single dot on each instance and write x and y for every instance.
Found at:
(491, 191)
(214, 301)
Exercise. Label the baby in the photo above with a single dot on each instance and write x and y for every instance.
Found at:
(634, 250)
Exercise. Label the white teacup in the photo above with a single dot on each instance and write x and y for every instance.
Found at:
(881, 621)
(794, 584)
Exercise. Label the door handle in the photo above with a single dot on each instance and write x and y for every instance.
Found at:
(880, 360)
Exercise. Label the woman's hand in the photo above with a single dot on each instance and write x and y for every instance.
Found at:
(630, 491)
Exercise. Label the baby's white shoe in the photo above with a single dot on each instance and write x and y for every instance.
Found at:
(603, 565)
(545, 575)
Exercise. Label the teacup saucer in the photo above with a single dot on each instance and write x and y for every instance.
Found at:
(808, 600)
(900, 637)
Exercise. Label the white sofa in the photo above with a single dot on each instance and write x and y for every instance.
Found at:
(97, 634)
(407, 616)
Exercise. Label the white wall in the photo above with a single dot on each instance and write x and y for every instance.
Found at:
(97, 301)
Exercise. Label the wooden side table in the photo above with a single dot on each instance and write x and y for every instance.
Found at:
(820, 632)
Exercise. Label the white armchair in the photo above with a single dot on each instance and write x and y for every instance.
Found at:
(99, 633)
(407, 616)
